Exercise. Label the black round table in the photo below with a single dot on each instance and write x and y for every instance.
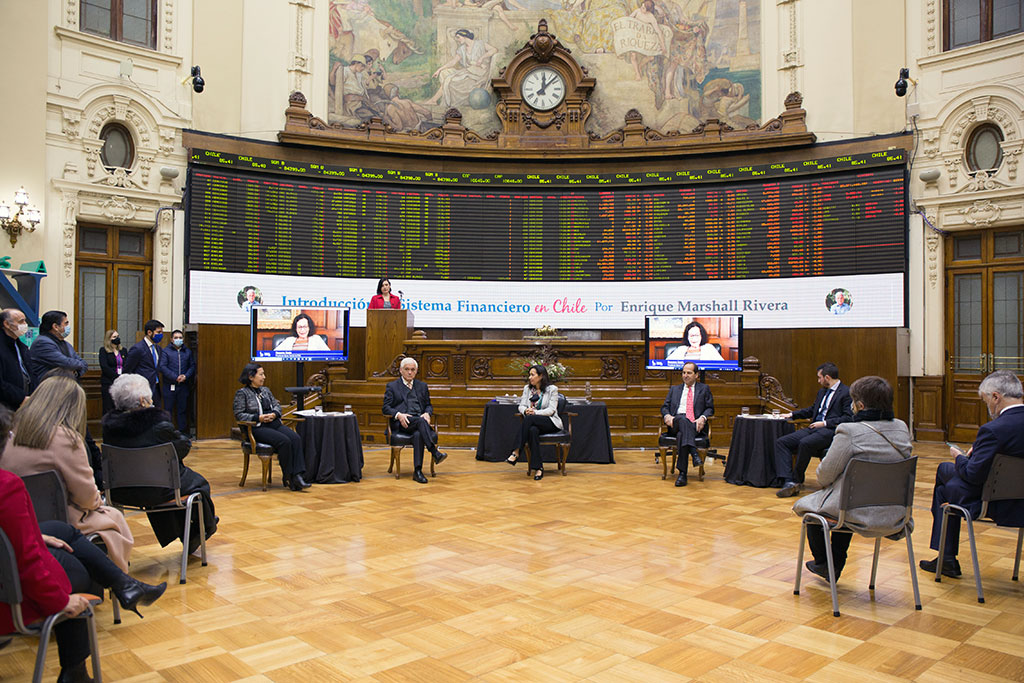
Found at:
(751, 460)
(591, 434)
(333, 448)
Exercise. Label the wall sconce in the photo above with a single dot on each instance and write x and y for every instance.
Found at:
(11, 222)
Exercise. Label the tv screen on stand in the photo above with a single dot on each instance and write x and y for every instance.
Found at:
(713, 342)
(287, 333)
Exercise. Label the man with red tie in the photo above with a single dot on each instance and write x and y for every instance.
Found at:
(686, 411)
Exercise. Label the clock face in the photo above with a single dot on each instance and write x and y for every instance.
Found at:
(543, 88)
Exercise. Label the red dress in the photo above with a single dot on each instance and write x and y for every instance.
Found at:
(378, 301)
(44, 585)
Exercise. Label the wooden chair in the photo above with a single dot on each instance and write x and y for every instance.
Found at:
(156, 467)
(10, 594)
(561, 440)
(398, 441)
(865, 484)
(49, 500)
(251, 447)
(1005, 482)
(668, 448)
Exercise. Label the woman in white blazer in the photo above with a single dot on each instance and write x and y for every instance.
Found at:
(539, 407)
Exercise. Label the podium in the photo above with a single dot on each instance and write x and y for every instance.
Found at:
(386, 332)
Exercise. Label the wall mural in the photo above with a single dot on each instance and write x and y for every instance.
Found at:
(679, 62)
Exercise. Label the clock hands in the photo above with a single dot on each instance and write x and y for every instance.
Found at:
(543, 84)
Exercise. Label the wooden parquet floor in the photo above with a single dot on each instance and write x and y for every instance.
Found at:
(608, 574)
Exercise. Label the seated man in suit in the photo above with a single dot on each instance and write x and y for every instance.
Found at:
(960, 482)
(144, 357)
(686, 411)
(407, 403)
(832, 407)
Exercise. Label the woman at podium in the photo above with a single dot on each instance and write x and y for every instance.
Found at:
(384, 297)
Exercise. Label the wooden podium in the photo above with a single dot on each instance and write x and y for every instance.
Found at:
(386, 332)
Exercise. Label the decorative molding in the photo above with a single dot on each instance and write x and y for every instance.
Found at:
(981, 180)
(931, 142)
(168, 25)
(71, 13)
(71, 120)
(167, 135)
(69, 204)
(953, 167)
(981, 214)
(299, 58)
(118, 209)
(164, 236)
(1011, 154)
(932, 241)
(931, 26)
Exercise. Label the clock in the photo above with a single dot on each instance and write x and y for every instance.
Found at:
(543, 88)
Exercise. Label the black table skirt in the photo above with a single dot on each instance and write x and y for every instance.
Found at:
(751, 460)
(333, 449)
(591, 434)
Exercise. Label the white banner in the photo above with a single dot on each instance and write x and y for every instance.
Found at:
(841, 301)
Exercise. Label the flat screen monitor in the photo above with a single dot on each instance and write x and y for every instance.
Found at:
(713, 342)
(280, 333)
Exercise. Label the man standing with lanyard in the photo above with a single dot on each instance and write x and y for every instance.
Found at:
(177, 368)
(831, 408)
(144, 357)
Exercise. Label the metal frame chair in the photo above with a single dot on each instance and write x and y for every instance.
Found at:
(153, 466)
(865, 484)
(10, 593)
(1005, 482)
(49, 499)
(668, 446)
(561, 440)
(251, 447)
(398, 441)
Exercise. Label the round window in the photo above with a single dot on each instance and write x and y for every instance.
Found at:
(118, 150)
(983, 150)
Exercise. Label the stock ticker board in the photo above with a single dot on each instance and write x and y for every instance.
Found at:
(838, 216)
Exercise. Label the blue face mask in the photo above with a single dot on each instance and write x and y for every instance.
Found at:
(66, 332)
(158, 337)
(178, 342)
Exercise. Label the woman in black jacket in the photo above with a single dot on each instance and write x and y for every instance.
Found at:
(111, 365)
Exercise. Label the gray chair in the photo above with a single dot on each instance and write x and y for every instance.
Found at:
(10, 594)
(49, 499)
(668, 447)
(865, 484)
(1005, 482)
(398, 441)
(156, 467)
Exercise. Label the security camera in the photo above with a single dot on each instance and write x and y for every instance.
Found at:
(901, 84)
(198, 84)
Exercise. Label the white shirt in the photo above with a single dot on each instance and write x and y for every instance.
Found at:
(682, 401)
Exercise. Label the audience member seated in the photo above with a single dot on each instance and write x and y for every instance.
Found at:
(49, 350)
(539, 408)
(48, 434)
(873, 435)
(960, 482)
(255, 403)
(686, 412)
(407, 403)
(831, 408)
(136, 423)
(15, 380)
(56, 564)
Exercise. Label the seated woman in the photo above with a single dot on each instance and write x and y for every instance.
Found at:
(304, 336)
(384, 298)
(697, 347)
(539, 407)
(873, 435)
(136, 423)
(255, 403)
(53, 581)
(48, 434)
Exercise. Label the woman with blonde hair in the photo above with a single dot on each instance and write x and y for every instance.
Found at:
(111, 356)
(48, 434)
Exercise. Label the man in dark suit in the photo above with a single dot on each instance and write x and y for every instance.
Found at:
(831, 408)
(144, 357)
(686, 411)
(15, 380)
(960, 482)
(50, 351)
(407, 403)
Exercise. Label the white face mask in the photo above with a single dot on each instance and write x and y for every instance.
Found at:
(22, 329)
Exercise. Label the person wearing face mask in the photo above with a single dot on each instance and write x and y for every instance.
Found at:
(144, 357)
(15, 380)
(177, 368)
(51, 350)
(111, 357)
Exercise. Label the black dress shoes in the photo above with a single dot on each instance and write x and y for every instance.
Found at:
(439, 457)
(950, 568)
(418, 477)
(790, 488)
(539, 475)
(297, 483)
(75, 674)
(512, 459)
(820, 570)
(681, 479)
(131, 593)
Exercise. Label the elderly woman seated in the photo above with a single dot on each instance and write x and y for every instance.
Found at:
(136, 423)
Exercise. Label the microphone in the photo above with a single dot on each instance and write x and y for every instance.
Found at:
(400, 294)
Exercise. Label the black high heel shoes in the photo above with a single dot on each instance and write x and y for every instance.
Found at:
(131, 593)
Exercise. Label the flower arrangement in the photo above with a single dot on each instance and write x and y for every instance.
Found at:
(546, 331)
(546, 356)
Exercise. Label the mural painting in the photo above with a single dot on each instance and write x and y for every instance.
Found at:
(679, 62)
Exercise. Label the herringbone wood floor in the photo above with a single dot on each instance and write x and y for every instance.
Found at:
(608, 574)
